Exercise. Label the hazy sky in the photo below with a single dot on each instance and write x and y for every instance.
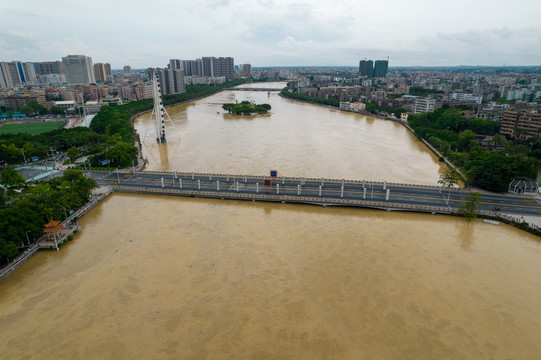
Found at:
(274, 32)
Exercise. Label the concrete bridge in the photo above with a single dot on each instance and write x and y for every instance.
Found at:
(315, 191)
(320, 191)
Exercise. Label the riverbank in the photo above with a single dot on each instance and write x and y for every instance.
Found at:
(70, 228)
(404, 123)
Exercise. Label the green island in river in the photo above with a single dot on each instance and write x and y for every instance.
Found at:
(246, 108)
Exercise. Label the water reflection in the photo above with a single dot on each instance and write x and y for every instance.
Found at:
(164, 154)
(467, 229)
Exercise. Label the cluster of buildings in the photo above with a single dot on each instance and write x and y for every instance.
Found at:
(73, 69)
(509, 97)
(76, 80)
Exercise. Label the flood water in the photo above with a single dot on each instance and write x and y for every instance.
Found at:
(296, 138)
(153, 277)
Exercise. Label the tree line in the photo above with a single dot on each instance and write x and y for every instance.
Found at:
(25, 209)
(457, 139)
(298, 96)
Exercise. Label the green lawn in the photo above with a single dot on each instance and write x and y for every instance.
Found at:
(31, 128)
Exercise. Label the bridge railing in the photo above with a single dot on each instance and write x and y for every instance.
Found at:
(288, 198)
(240, 177)
(19, 260)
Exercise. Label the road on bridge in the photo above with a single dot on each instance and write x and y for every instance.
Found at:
(417, 195)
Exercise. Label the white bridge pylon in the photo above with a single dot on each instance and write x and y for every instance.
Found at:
(159, 114)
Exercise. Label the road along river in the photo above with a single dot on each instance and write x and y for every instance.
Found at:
(175, 278)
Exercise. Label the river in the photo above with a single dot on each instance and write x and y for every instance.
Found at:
(297, 139)
(153, 277)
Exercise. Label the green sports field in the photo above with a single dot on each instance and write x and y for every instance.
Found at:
(31, 128)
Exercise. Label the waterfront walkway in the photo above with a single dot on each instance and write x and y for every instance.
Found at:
(71, 226)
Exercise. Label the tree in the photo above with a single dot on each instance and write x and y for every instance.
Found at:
(8, 249)
(10, 178)
(466, 140)
(520, 133)
(371, 107)
(449, 178)
(493, 171)
(28, 110)
(227, 107)
(73, 152)
(469, 208)
(35, 105)
(57, 110)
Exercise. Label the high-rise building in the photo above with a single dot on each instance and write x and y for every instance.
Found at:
(224, 66)
(246, 70)
(29, 73)
(370, 69)
(380, 68)
(13, 68)
(192, 67)
(127, 69)
(208, 66)
(78, 69)
(175, 64)
(5, 76)
(366, 68)
(99, 72)
(16, 73)
(178, 81)
(49, 67)
(171, 80)
(108, 72)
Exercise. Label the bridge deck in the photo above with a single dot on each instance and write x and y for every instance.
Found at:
(363, 193)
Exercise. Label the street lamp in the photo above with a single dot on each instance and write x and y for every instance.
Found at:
(27, 239)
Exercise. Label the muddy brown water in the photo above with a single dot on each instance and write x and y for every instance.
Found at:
(154, 277)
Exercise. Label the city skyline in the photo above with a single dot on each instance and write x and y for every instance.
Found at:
(274, 32)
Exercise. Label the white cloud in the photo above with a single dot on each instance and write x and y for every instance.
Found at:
(273, 32)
